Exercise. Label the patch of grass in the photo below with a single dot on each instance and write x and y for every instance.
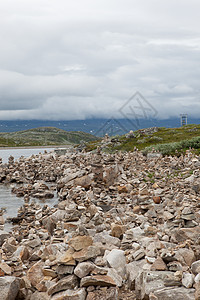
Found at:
(175, 147)
(163, 139)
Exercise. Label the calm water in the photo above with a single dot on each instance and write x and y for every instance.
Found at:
(17, 153)
(8, 200)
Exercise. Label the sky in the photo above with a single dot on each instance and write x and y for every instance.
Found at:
(68, 60)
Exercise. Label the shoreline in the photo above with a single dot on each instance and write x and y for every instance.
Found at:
(37, 147)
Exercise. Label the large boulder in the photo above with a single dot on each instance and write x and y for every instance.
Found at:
(178, 293)
(9, 287)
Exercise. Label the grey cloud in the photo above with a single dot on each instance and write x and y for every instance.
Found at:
(74, 59)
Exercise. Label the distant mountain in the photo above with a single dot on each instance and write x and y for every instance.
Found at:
(96, 127)
(44, 136)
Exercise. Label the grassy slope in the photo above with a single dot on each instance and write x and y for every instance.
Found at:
(44, 136)
(166, 140)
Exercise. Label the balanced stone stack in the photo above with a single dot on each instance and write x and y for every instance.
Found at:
(125, 227)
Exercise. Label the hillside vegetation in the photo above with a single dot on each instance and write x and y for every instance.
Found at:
(168, 141)
(43, 136)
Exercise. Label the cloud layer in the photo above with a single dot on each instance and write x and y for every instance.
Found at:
(73, 60)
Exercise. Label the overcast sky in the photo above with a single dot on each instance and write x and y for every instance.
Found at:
(63, 59)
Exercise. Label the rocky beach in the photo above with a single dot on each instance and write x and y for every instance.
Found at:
(126, 226)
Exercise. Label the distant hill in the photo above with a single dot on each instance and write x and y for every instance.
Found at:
(168, 141)
(43, 136)
(93, 126)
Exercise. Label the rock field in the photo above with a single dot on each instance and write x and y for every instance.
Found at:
(126, 227)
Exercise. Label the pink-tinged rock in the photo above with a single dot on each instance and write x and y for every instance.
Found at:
(35, 274)
(5, 268)
(67, 258)
(117, 230)
(84, 181)
(21, 253)
(80, 242)
(158, 265)
(87, 253)
(97, 280)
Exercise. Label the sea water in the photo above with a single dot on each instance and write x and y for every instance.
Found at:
(8, 200)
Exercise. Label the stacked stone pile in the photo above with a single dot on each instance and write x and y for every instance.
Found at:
(125, 227)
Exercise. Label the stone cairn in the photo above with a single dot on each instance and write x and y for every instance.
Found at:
(125, 226)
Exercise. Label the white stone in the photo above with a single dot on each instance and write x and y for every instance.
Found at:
(115, 276)
(117, 260)
(187, 280)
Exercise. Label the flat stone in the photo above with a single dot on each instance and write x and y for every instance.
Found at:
(64, 270)
(49, 273)
(97, 280)
(87, 253)
(33, 243)
(35, 274)
(80, 242)
(178, 293)
(5, 268)
(66, 283)
(139, 254)
(79, 294)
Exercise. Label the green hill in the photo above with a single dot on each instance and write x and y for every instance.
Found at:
(43, 136)
(165, 140)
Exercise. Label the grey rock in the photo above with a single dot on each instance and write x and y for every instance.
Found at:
(179, 293)
(133, 269)
(112, 273)
(187, 280)
(117, 260)
(83, 269)
(150, 281)
(195, 267)
(64, 270)
(69, 282)
(3, 235)
(9, 287)
(39, 296)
